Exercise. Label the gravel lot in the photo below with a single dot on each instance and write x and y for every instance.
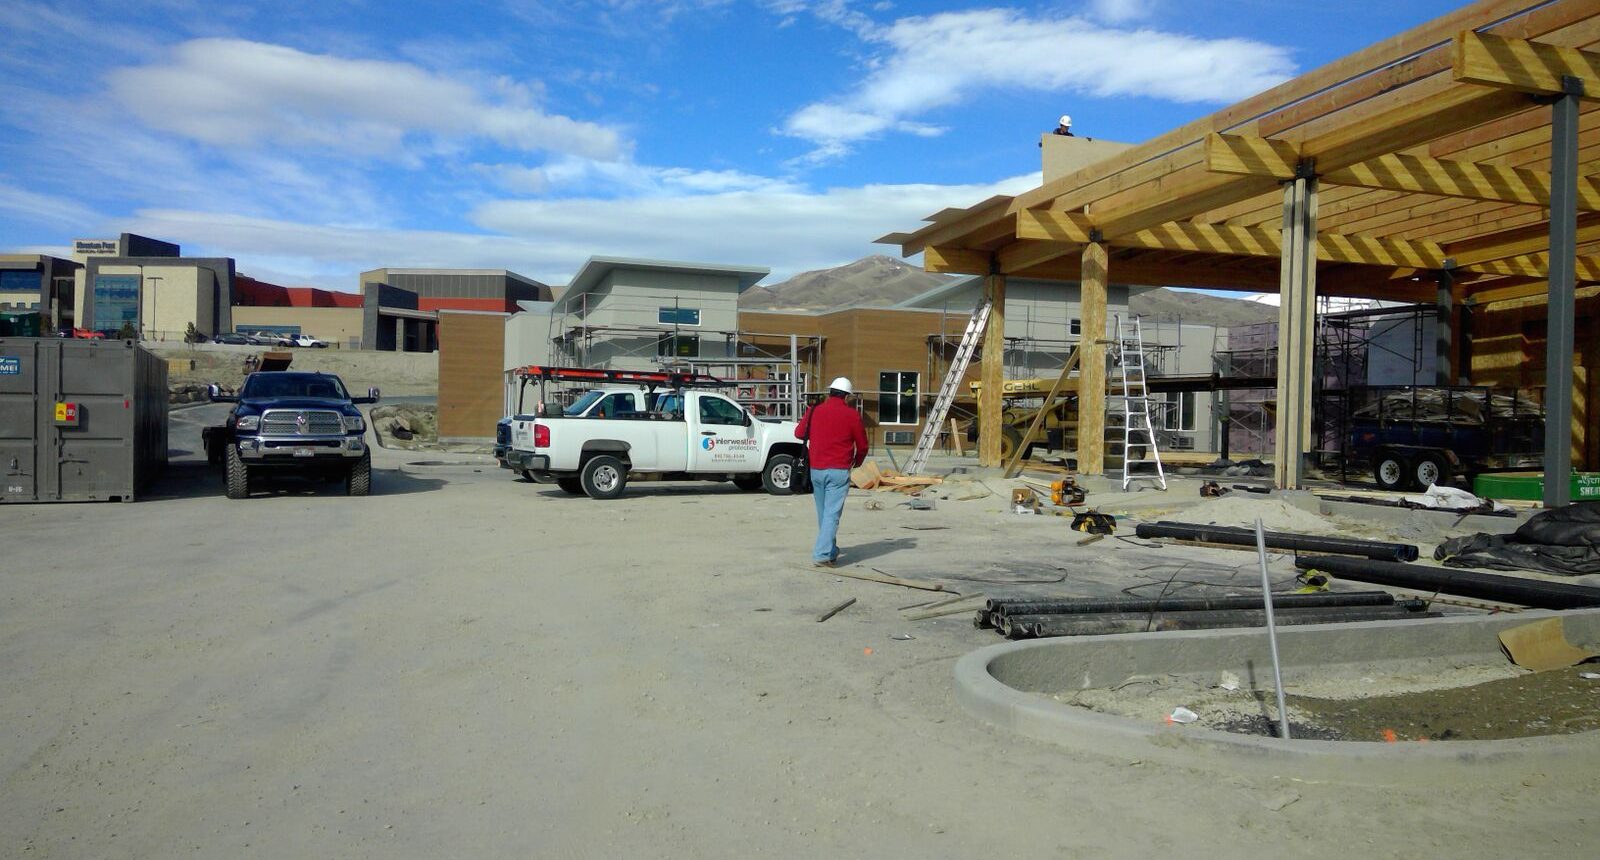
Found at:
(469, 665)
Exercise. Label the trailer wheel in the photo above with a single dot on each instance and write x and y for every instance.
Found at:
(1390, 471)
(238, 474)
(778, 476)
(1428, 470)
(604, 477)
(571, 485)
(359, 481)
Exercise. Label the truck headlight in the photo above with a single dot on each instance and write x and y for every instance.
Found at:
(354, 424)
(248, 423)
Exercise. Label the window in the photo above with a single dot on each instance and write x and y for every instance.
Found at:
(897, 397)
(678, 346)
(1075, 326)
(678, 316)
(1177, 412)
(715, 410)
(615, 405)
(20, 281)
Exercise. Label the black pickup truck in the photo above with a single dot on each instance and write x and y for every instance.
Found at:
(288, 422)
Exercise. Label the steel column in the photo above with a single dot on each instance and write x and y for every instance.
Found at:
(1563, 281)
(1444, 317)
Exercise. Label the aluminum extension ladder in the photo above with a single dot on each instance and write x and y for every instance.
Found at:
(1136, 407)
(951, 384)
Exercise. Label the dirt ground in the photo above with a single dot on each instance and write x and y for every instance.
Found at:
(465, 664)
(395, 373)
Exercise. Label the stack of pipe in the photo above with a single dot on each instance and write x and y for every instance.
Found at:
(1231, 536)
(1027, 619)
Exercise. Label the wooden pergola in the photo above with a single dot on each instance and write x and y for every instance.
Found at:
(1448, 164)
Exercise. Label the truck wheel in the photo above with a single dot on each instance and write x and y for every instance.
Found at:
(359, 482)
(571, 485)
(1429, 470)
(1010, 437)
(778, 477)
(1390, 471)
(749, 483)
(238, 474)
(604, 477)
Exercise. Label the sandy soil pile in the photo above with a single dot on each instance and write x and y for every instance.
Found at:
(406, 425)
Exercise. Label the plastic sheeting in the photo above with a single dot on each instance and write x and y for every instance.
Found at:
(1564, 541)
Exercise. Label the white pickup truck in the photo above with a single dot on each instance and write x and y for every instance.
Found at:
(686, 435)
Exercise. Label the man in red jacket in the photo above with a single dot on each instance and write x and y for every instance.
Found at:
(837, 443)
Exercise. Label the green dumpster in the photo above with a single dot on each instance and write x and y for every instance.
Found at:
(21, 324)
(1530, 486)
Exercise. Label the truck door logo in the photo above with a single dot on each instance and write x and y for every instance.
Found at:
(708, 442)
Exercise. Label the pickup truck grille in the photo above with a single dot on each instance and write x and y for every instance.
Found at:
(298, 422)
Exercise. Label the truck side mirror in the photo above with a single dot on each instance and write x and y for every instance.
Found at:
(373, 393)
(214, 391)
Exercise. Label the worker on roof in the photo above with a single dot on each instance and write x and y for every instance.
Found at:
(1064, 127)
(836, 442)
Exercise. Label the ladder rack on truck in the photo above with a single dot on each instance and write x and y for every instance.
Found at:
(649, 379)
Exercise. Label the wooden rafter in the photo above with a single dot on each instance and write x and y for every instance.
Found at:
(1523, 65)
(1537, 266)
(1066, 227)
(1449, 178)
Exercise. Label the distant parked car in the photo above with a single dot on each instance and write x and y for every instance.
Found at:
(88, 334)
(308, 340)
(233, 338)
(267, 338)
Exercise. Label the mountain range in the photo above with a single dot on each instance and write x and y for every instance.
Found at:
(881, 281)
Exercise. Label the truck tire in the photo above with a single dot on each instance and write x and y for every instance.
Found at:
(1390, 471)
(778, 476)
(749, 483)
(571, 485)
(238, 474)
(603, 477)
(1010, 437)
(359, 481)
(1429, 469)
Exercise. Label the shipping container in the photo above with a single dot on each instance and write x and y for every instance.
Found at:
(80, 420)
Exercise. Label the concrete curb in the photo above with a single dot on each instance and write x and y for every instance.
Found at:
(1002, 685)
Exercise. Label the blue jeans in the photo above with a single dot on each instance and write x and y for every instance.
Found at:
(828, 488)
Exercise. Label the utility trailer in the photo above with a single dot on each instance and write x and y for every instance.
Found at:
(1411, 436)
(80, 420)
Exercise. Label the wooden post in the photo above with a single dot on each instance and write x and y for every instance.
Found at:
(1297, 315)
(992, 371)
(1092, 363)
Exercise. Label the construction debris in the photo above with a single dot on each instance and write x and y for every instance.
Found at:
(870, 476)
(835, 610)
(879, 576)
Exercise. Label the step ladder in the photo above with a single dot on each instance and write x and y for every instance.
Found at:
(952, 384)
(1137, 431)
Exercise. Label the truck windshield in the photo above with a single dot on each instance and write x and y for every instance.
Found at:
(263, 386)
(582, 404)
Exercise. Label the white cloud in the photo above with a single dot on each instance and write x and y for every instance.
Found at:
(240, 94)
(790, 229)
(48, 209)
(940, 60)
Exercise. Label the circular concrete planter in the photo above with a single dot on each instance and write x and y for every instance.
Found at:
(1009, 685)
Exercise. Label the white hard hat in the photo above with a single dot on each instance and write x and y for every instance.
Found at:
(1066, 120)
(841, 384)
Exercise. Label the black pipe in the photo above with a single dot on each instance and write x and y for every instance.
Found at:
(983, 620)
(1079, 606)
(1280, 540)
(1462, 583)
(1033, 626)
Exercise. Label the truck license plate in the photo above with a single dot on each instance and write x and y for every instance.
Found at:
(305, 451)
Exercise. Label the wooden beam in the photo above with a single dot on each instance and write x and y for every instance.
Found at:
(955, 261)
(1518, 64)
(1448, 178)
(1092, 280)
(1027, 253)
(1537, 266)
(1246, 155)
(1504, 294)
(992, 372)
(1530, 239)
(1234, 241)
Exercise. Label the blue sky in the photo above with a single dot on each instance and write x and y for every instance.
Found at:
(313, 140)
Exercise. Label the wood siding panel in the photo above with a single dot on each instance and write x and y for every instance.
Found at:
(471, 383)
